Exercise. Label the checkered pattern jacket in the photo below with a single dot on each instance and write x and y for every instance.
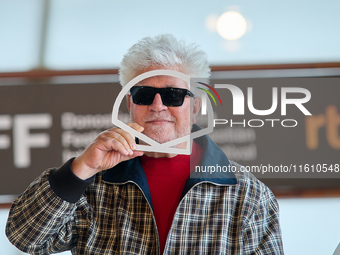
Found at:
(224, 213)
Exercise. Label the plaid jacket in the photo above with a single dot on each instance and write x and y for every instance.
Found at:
(228, 214)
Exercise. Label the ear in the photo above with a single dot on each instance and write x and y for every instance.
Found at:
(128, 102)
(196, 108)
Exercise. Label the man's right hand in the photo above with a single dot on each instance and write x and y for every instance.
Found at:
(107, 150)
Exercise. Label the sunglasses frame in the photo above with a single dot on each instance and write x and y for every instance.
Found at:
(161, 92)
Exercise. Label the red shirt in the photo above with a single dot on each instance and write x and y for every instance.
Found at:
(166, 178)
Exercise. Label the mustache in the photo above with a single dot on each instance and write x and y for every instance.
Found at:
(159, 116)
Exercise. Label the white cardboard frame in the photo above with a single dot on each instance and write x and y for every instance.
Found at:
(153, 145)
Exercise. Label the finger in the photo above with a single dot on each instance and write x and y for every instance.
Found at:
(136, 126)
(128, 136)
(135, 154)
(129, 139)
(115, 145)
(120, 138)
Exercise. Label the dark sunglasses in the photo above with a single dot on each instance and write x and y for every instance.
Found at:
(144, 95)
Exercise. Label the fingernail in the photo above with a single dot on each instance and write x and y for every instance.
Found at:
(134, 146)
(126, 152)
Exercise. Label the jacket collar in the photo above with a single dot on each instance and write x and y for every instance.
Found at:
(129, 171)
(132, 170)
(212, 156)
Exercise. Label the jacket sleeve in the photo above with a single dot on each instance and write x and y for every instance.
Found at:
(262, 233)
(46, 217)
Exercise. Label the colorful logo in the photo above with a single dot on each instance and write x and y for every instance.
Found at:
(204, 97)
(209, 93)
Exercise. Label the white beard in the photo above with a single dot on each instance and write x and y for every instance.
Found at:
(164, 133)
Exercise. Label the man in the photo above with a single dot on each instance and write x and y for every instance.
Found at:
(113, 199)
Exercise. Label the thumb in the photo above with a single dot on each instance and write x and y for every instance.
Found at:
(136, 127)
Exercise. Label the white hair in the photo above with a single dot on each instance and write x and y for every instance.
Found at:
(166, 51)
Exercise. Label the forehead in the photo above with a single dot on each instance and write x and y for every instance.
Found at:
(163, 81)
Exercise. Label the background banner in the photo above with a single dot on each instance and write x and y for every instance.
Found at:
(43, 124)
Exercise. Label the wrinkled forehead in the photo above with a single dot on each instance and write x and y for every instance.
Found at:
(163, 81)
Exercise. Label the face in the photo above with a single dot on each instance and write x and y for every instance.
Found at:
(160, 122)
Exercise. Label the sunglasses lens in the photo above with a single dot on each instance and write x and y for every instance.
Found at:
(142, 95)
(173, 97)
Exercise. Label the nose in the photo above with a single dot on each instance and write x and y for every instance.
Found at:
(157, 104)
